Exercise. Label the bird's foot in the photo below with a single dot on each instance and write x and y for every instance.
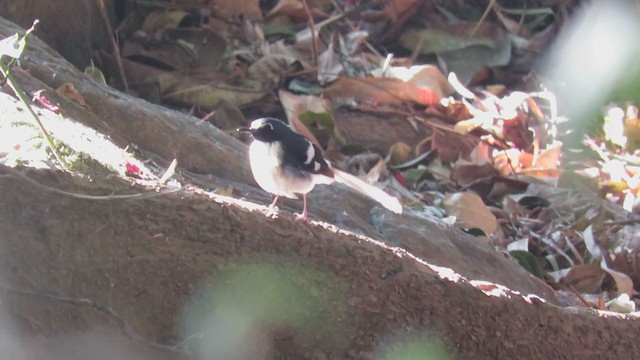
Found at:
(272, 212)
(302, 217)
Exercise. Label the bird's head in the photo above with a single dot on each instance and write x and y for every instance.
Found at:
(267, 129)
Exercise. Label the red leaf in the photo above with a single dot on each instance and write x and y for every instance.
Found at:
(132, 169)
(400, 178)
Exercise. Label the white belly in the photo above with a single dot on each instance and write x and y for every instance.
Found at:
(272, 177)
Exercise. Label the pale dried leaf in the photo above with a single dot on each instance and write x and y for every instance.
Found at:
(294, 105)
(590, 242)
(270, 68)
(548, 159)
(622, 304)
(177, 89)
(12, 46)
(286, 7)
(380, 91)
(426, 77)
(522, 245)
(470, 211)
(376, 171)
(329, 65)
(623, 281)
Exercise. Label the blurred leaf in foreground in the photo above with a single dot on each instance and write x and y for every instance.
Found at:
(236, 310)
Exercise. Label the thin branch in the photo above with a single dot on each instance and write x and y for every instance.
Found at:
(622, 222)
(114, 44)
(312, 27)
(482, 18)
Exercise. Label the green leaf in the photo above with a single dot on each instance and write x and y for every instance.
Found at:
(323, 125)
(528, 261)
(477, 232)
(432, 41)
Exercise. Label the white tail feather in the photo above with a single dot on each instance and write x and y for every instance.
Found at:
(371, 191)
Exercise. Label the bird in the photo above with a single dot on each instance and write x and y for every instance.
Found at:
(287, 164)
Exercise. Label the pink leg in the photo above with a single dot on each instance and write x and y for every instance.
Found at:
(273, 204)
(273, 209)
(303, 216)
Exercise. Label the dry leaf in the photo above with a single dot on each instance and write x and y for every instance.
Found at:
(69, 91)
(270, 68)
(395, 9)
(470, 211)
(466, 174)
(294, 105)
(622, 304)
(623, 282)
(376, 171)
(329, 65)
(95, 73)
(426, 77)
(399, 153)
(380, 91)
(451, 146)
(163, 19)
(546, 163)
(295, 8)
(248, 9)
(585, 278)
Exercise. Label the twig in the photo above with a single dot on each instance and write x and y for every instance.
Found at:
(312, 27)
(482, 18)
(621, 222)
(85, 197)
(353, 28)
(122, 323)
(582, 299)
(171, 170)
(114, 44)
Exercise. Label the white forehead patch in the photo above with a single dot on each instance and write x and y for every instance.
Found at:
(257, 124)
(311, 153)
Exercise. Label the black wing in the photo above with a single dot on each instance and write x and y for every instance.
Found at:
(303, 154)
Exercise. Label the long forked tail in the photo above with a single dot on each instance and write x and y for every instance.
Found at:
(371, 191)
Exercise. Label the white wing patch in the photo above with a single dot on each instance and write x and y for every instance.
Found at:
(316, 166)
(311, 153)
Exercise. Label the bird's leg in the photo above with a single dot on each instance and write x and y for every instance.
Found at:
(273, 209)
(303, 216)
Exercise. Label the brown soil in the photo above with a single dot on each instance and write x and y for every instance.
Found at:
(145, 259)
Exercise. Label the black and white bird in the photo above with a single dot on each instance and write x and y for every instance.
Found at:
(285, 163)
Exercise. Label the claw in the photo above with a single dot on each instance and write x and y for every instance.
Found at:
(273, 210)
(304, 216)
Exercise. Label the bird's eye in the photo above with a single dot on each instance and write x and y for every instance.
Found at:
(269, 125)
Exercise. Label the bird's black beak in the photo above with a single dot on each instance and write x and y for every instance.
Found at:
(243, 129)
